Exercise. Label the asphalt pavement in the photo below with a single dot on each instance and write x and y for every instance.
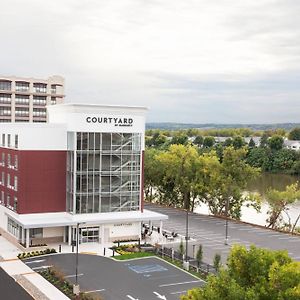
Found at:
(209, 231)
(11, 290)
(141, 279)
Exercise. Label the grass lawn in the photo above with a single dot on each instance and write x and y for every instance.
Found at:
(133, 255)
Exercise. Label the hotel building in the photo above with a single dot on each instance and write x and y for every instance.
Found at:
(84, 168)
(25, 99)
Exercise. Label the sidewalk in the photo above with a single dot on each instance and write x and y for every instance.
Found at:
(38, 287)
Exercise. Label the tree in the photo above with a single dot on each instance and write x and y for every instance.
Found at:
(278, 204)
(227, 183)
(263, 140)
(254, 274)
(179, 165)
(237, 142)
(217, 261)
(294, 134)
(198, 140)
(275, 142)
(179, 139)
(208, 142)
(251, 143)
(181, 248)
(199, 255)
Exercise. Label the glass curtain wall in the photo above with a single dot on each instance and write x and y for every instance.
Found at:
(107, 174)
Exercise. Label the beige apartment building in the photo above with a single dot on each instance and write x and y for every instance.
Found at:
(25, 99)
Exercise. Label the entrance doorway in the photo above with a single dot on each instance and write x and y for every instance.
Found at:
(89, 234)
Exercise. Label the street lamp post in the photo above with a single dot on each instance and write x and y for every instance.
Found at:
(186, 263)
(226, 222)
(76, 289)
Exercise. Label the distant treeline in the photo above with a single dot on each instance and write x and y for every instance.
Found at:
(254, 127)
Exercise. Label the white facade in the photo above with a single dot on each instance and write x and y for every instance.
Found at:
(104, 148)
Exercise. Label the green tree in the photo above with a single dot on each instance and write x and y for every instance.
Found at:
(199, 255)
(251, 143)
(228, 142)
(275, 142)
(198, 140)
(179, 139)
(278, 202)
(238, 142)
(254, 274)
(217, 261)
(208, 142)
(227, 183)
(263, 140)
(294, 134)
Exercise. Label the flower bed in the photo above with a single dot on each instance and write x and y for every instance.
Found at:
(56, 278)
(35, 253)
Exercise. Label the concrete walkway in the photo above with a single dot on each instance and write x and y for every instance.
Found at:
(38, 287)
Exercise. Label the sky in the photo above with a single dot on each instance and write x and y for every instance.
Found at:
(191, 61)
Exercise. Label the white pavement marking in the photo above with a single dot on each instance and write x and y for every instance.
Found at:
(131, 298)
(94, 291)
(159, 296)
(69, 276)
(35, 261)
(178, 283)
(42, 267)
(180, 292)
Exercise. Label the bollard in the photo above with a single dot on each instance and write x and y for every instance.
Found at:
(59, 248)
(104, 251)
(113, 252)
(173, 254)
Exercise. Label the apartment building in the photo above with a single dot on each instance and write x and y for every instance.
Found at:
(84, 168)
(25, 99)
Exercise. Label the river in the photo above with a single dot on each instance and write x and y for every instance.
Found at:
(261, 185)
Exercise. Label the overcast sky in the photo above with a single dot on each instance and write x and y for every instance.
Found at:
(197, 61)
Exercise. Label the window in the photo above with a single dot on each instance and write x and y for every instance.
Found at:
(15, 203)
(39, 112)
(5, 85)
(16, 183)
(5, 98)
(16, 141)
(3, 140)
(8, 200)
(5, 111)
(36, 233)
(8, 180)
(22, 99)
(39, 100)
(2, 178)
(16, 162)
(3, 159)
(53, 100)
(8, 160)
(22, 111)
(22, 86)
(40, 88)
(2, 197)
(8, 140)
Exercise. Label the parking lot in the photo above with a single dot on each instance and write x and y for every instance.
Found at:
(139, 279)
(209, 231)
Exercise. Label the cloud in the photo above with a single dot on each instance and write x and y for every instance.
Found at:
(195, 60)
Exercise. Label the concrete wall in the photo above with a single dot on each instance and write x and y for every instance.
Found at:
(53, 232)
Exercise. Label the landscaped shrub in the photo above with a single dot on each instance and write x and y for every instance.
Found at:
(35, 253)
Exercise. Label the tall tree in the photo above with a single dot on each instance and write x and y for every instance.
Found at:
(278, 205)
(294, 134)
(209, 141)
(275, 142)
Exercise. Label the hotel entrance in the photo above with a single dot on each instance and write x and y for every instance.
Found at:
(88, 235)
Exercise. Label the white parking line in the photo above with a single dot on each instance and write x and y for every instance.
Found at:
(180, 292)
(42, 267)
(34, 261)
(94, 291)
(178, 283)
(69, 276)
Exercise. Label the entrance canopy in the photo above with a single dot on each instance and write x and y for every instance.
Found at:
(42, 220)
